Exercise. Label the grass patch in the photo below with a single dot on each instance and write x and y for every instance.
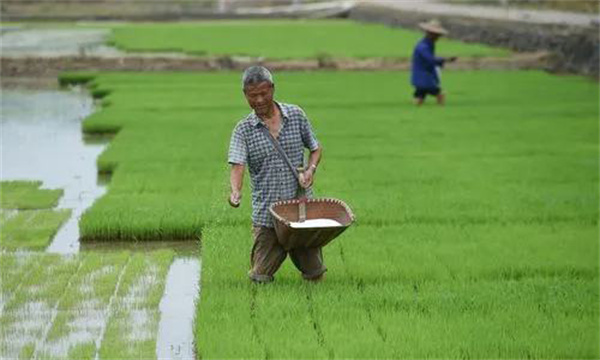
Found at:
(31, 229)
(284, 39)
(27, 195)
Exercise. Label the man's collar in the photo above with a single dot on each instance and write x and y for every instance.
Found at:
(255, 120)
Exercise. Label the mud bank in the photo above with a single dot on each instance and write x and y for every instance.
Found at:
(42, 66)
(573, 49)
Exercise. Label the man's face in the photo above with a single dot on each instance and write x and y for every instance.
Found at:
(260, 97)
(433, 36)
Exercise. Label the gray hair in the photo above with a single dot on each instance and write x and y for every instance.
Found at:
(255, 75)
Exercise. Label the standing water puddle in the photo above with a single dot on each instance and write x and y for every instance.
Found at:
(177, 307)
(42, 140)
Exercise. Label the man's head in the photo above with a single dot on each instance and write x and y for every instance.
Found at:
(258, 86)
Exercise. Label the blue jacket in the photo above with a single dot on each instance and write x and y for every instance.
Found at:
(424, 62)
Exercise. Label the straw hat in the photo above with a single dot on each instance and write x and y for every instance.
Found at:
(433, 26)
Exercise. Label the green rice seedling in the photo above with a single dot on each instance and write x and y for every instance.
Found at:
(32, 229)
(476, 233)
(84, 308)
(27, 351)
(28, 313)
(472, 170)
(224, 321)
(85, 351)
(132, 323)
(27, 195)
(303, 39)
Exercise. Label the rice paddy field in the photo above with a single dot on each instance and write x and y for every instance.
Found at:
(477, 230)
(477, 223)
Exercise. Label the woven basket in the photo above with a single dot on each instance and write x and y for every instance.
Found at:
(285, 212)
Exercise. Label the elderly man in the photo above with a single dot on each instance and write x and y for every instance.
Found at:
(271, 178)
(425, 65)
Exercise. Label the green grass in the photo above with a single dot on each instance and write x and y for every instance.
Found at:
(31, 229)
(278, 39)
(477, 230)
(27, 195)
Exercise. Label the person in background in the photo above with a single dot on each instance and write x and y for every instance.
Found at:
(425, 65)
(270, 177)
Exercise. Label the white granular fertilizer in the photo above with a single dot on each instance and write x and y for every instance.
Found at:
(315, 223)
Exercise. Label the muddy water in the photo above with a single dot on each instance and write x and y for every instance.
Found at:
(176, 328)
(42, 140)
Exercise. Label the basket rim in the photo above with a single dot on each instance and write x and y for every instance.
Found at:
(296, 201)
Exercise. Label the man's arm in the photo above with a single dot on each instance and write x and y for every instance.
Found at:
(427, 56)
(313, 161)
(236, 179)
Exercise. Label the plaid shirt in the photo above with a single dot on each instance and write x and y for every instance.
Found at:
(271, 178)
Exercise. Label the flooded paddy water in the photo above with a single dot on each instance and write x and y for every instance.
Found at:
(19, 41)
(104, 300)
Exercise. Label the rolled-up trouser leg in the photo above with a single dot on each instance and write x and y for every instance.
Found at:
(267, 255)
(309, 261)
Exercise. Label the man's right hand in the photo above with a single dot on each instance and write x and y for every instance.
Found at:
(235, 198)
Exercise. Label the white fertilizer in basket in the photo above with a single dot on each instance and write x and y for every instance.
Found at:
(315, 223)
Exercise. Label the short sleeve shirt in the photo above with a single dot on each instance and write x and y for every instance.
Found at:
(271, 178)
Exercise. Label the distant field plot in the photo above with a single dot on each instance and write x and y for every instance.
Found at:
(277, 39)
(71, 307)
(477, 230)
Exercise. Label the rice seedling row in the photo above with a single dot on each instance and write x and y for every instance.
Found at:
(85, 305)
(32, 229)
(34, 223)
(27, 195)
